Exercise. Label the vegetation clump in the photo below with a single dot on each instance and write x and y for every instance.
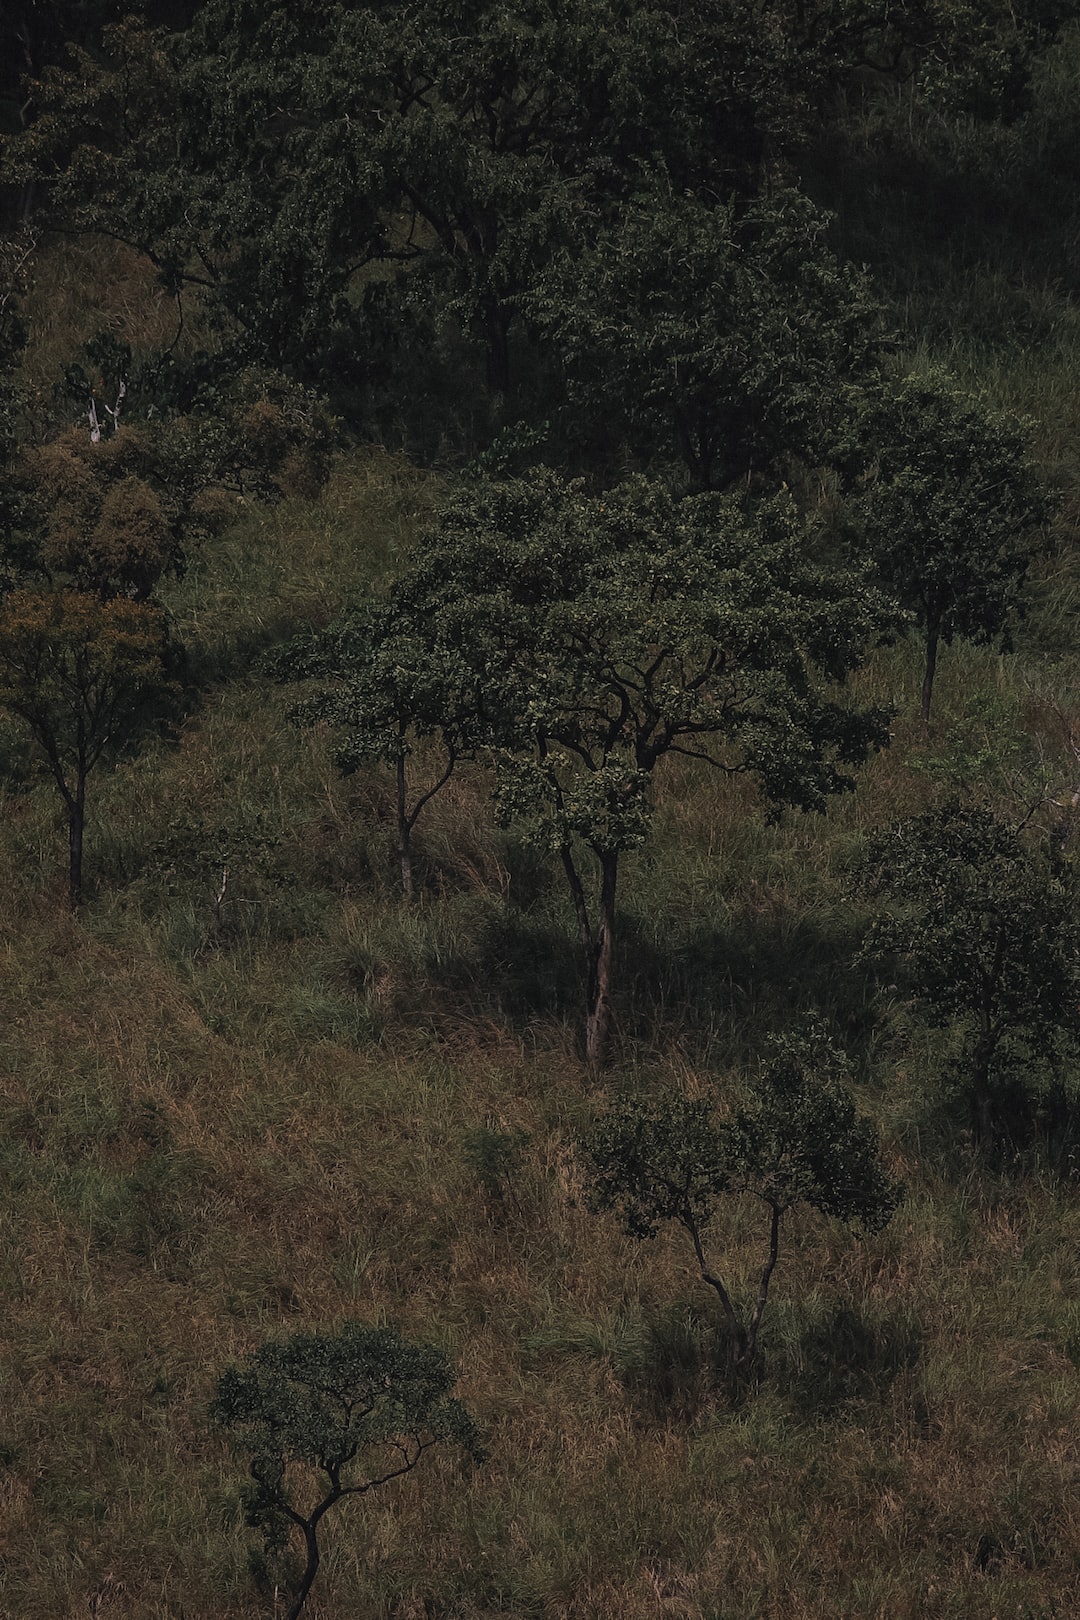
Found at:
(796, 1139)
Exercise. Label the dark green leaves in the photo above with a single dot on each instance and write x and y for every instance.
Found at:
(331, 1400)
(795, 1138)
(719, 336)
(987, 925)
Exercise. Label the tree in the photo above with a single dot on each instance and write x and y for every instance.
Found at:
(951, 505)
(726, 336)
(393, 688)
(273, 155)
(327, 1416)
(84, 677)
(988, 927)
(269, 154)
(795, 1139)
(603, 633)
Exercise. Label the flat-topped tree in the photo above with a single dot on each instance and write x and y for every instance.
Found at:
(795, 1139)
(323, 1417)
(603, 633)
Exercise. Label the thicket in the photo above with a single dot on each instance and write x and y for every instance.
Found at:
(482, 495)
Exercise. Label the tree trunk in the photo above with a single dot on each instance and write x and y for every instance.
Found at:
(404, 832)
(933, 635)
(76, 824)
(601, 957)
(498, 352)
(750, 1346)
(311, 1546)
(739, 1342)
(982, 1122)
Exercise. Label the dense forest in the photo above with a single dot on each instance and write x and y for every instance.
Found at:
(540, 788)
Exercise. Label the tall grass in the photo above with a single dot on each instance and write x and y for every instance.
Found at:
(219, 1125)
(225, 1117)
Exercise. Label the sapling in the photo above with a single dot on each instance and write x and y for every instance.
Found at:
(796, 1139)
(84, 678)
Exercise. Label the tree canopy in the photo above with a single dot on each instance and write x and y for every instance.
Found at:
(354, 1409)
(951, 504)
(582, 639)
(794, 1138)
(987, 925)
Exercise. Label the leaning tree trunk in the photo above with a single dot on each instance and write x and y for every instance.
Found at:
(598, 944)
(600, 964)
(311, 1569)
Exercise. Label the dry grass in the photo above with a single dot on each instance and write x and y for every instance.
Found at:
(223, 1123)
(220, 1129)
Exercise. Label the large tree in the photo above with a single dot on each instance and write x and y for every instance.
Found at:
(274, 155)
(725, 337)
(600, 634)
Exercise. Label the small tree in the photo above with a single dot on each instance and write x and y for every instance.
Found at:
(796, 1139)
(327, 1416)
(392, 687)
(83, 677)
(951, 504)
(990, 930)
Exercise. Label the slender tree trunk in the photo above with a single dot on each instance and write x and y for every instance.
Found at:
(731, 1316)
(982, 1123)
(404, 832)
(498, 351)
(767, 1270)
(311, 1546)
(76, 823)
(598, 945)
(933, 636)
(601, 959)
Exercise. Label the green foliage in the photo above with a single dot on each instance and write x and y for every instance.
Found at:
(358, 1408)
(721, 336)
(394, 686)
(292, 163)
(84, 678)
(611, 630)
(796, 1139)
(988, 927)
(585, 638)
(951, 506)
(494, 1156)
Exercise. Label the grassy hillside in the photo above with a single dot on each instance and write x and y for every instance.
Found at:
(226, 1121)
(247, 1091)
